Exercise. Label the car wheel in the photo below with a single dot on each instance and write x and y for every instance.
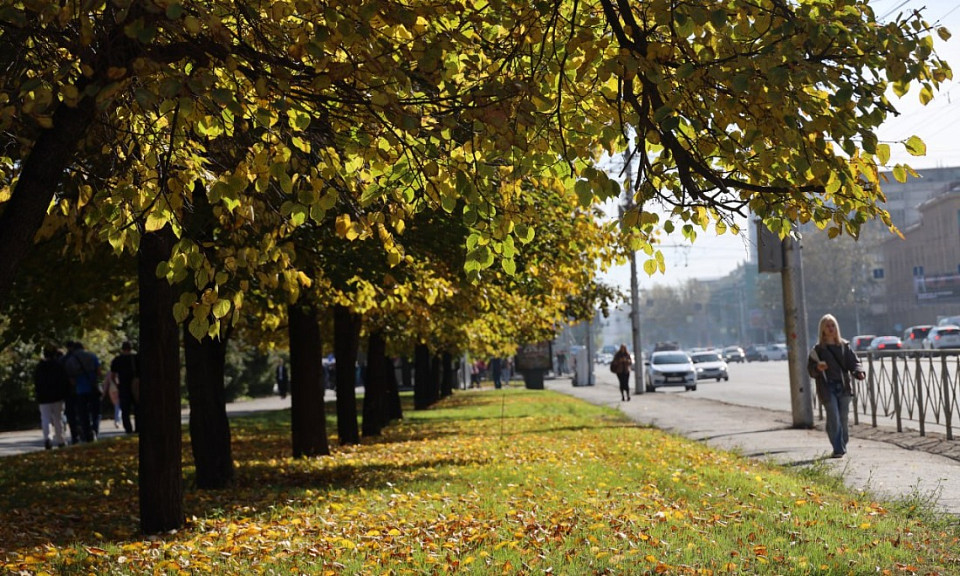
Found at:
(691, 388)
(726, 378)
(718, 378)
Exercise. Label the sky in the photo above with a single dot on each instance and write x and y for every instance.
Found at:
(937, 123)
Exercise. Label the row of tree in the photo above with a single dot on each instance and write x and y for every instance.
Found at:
(422, 172)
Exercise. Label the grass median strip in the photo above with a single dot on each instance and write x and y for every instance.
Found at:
(491, 482)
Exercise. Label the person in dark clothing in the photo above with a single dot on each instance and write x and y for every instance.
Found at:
(283, 379)
(621, 367)
(51, 387)
(831, 363)
(83, 368)
(125, 374)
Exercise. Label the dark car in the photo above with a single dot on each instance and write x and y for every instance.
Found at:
(755, 354)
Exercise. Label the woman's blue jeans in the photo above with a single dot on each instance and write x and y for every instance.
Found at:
(837, 408)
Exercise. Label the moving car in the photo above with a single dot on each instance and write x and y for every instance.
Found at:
(941, 337)
(862, 342)
(734, 354)
(670, 368)
(882, 344)
(913, 336)
(710, 365)
(776, 352)
(755, 353)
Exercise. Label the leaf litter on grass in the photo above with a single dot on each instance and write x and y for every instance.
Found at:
(515, 482)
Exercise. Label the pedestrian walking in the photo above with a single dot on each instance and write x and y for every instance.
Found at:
(833, 364)
(283, 379)
(125, 373)
(620, 365)
(51, 387)
(83, 368)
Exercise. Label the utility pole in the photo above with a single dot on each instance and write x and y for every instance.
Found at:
(795, 325)
(638, 379)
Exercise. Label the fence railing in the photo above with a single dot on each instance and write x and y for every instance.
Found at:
(916, 386)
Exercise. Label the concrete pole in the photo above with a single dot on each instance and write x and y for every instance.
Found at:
(795, 326)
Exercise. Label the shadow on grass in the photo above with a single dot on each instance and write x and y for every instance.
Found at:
(88, 494)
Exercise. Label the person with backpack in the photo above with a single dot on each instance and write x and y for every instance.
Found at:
(621, 367)
(83, 368)
(833, 364)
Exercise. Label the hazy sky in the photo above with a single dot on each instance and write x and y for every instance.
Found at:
(937, 123)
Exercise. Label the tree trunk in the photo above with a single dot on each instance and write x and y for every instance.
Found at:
(308, 421)
(209, 426)
(160, 469)
(375, 399)
(39, 179)
(446, 384)
(346, 333)
(421, 377)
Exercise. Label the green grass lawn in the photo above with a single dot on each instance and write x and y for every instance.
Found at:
(491, 482)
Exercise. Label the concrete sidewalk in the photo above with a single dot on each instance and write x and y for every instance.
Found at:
(23, 441)
(883, 462)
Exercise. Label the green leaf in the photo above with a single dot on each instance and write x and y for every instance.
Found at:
(915, 146)
(221, 308)
(883, 153)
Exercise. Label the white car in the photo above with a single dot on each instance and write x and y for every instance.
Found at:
(941, 337)
(710, 365)
(777, 351)
(670, 368)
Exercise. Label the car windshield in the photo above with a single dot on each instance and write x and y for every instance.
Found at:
(670, 359)
(710, 357)
(950, 331)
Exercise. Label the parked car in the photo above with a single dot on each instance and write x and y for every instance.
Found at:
(776, 352)
(882, 344)
(861, 343)
(941, 337)
(913, 336)
(710, 365)
(670, 368)
(734, 354)
(755, 354)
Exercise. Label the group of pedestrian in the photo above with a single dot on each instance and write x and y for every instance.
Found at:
(67, 388)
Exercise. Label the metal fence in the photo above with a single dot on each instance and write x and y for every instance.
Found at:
(919, 387)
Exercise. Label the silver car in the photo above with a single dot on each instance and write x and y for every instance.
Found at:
(710, 366)
(670, 368)
(941, 337)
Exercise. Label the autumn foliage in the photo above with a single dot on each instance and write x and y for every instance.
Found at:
(511, 482)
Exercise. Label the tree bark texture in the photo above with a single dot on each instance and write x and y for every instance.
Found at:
(160, 469)
(308, 422)
(375, 386)
(209, 425)
(346, 335)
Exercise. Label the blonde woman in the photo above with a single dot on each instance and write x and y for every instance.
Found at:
(831, 363)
